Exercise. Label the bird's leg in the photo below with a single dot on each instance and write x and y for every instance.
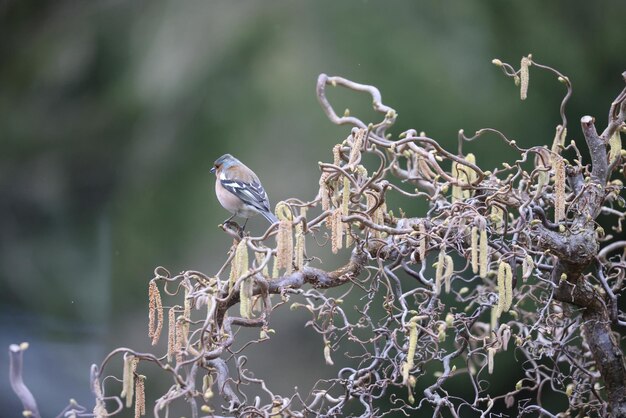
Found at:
(244, 224)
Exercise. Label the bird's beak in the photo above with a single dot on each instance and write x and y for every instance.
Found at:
(212, 170)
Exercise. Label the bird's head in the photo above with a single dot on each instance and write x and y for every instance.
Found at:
(224, 161)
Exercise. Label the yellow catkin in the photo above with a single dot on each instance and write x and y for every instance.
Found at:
(559, 139)
(127, 359)
(408, 364)
(371, 202)
(615, 144)
(349, 236)
(528, 265)
(508, 287)
(497, 217)
(459, 176)
(155, 325)
(299, 248)
(494, 318)
(275, 271)
(474, 249)
(245, 297)
(439, 270)
(559, 190)
(140, 402)
(379, 219)
(284, 249)
(179, 340)
(187, 308)
(422, 242)
(524, 77)
(284, 238)
(337, 232)
(239, 264)
(357, 143)
(247, 284)
(447, 274)
(324, 192)
(345, 198)
(501, 287)
(483, 254)
(491, 353)
(337, 154)
(171, 334)
(470, 175)
(128, 382)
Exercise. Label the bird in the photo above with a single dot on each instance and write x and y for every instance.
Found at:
(239, 190)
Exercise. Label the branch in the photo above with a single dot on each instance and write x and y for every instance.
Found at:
(29, 404)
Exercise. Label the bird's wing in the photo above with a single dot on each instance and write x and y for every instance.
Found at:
(253, 193)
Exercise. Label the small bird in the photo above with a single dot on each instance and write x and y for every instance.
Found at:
(239, 190)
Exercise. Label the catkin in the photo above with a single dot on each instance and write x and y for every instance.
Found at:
(171, 334)
(284, 249)
(140, 401)
(524, 77)
(336, 231)
(239, 264)
(337, 155)
(439, 270)
(245, 297)
(357, 143)
(501, 287)
(508, 287)
(178, 346)
(187, 307)
(324, 192)
(494, 318)
(155, 308)
(528, 265)
(491, 352)
(483, 254)
(458, 175)
(447, 274)
(422, 242)
(470, 175)
(474, 249)
(128, 381)
(345, 198)
(559, 190)
(299, 248)
(497, 216)
(408, 364)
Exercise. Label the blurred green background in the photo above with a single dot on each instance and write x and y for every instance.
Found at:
(111, 113)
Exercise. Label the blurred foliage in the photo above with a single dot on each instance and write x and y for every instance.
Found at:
(111, 113)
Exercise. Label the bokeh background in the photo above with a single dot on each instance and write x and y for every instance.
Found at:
(111, 113)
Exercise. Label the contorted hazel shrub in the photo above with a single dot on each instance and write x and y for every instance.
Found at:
(500, 293)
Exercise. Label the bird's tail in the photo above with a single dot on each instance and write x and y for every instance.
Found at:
(270, 217)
